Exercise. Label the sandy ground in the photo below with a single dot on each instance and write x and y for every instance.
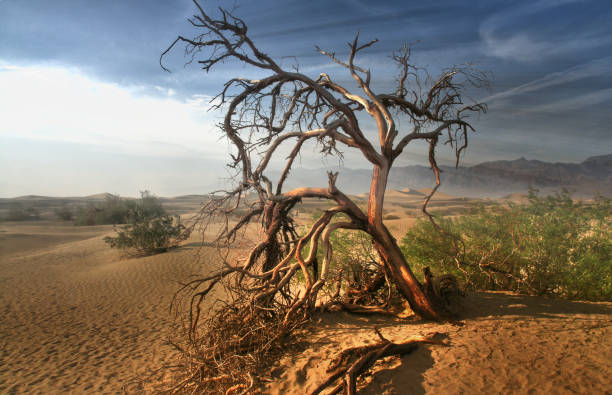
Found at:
(78, 318)
(509, 344)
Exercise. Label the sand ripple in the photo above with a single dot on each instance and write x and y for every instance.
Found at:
(78, 318)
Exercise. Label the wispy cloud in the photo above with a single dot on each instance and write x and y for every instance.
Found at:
(525, 47)
(574, 103)
(367, 7)
(586, 70)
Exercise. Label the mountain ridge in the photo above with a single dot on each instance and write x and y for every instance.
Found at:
(487, 179)
(492, 179)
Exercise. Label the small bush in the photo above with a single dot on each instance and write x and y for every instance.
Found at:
(20, 213)
(149, 235)
(150, 230)
(115, 210)
(550, 246)
(353, 251)
(390, 217)
(64, 213)
(354, 268)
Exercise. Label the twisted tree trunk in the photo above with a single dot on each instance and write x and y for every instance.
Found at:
(390, 253)
(288, 108)
(404, 279)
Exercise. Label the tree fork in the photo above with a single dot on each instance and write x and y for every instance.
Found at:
(288, 107)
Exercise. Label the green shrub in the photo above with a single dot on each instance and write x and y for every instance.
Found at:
(64, 213)
(148, 235)
(354, 266)
(115, 210)
(149, 230)
(353, 253)
(550, 246)
(20, 213)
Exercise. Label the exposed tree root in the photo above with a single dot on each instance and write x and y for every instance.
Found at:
(360, 309)
(353, 362)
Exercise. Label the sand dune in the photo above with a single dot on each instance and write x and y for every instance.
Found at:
(29, 237)
(509, 344)
(79, 318)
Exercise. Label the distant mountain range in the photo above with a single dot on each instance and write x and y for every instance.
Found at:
(487, 179)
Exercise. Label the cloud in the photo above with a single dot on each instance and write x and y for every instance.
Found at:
(574, 103)
(530, 47)
(367, 7)
(62, 104)
(593, 68)
(523, 48)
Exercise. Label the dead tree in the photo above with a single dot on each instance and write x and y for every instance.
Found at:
(287, 109)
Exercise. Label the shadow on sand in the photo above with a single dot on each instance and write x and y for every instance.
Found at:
(406, 374)
(499, 304)
(405, 378)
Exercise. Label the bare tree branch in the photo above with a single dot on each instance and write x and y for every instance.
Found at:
(275, 286)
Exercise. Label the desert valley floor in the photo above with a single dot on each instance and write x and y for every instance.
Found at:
(77, 317)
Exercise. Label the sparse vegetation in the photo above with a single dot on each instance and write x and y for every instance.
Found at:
(288, 108)
(551, 246)
(115, 210)
(148, 236)
(149, 230)
(65, 213)
(355, 267)
(19, 212)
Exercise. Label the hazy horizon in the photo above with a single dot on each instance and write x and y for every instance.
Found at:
(87, 109)
(352, 181)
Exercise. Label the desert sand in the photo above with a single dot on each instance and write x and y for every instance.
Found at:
(508, 344)
(79, 317)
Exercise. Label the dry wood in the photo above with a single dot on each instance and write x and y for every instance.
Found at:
(276, 286)
(353, 362)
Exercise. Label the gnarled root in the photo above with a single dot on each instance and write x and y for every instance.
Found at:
(353, 362)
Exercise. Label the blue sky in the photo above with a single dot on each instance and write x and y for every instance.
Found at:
(86, 108)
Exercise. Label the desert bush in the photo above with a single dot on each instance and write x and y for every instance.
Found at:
(148, 206)
(115, 210)
(149, 229)
(550, 246)
(148, 236)
(353, 253)
(64, 213)
(355, 272)
(18, 212)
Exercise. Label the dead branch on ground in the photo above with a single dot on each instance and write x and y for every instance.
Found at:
(353, 362)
